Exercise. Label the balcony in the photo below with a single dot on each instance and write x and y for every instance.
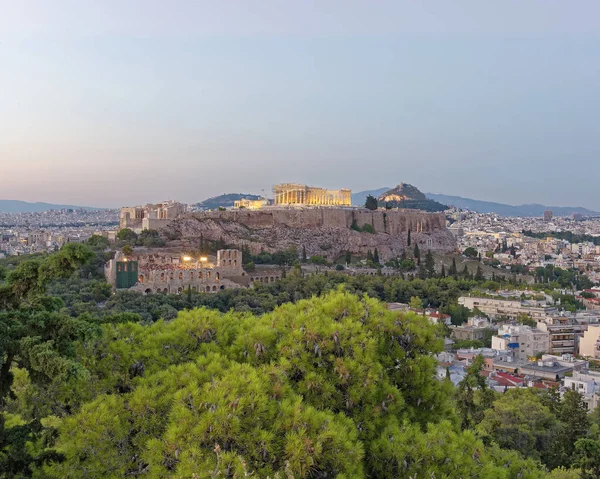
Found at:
(562, 343)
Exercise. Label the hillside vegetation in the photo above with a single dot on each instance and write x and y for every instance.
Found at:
(330, 386)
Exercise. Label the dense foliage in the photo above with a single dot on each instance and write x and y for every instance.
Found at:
(81, 295)
(310, 377)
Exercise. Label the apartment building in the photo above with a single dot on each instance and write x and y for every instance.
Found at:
(505, 308)
(589, 344)
(522, 340)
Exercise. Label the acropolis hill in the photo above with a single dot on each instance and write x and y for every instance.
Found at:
(326, 231)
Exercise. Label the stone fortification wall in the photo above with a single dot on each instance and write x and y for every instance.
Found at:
(392, 222)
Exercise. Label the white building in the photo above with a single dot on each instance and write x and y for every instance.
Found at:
(589, 344)
(588, 385)
(523, 341)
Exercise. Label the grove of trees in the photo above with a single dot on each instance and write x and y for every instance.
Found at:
(310, 377)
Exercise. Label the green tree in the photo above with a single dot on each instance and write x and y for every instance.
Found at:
(371, 203)
(465, 272)
(429, 264)
(416, 303)
(417, 254)
(263, 389)
(453, 271)
(37, 338)
(520, 420)
(318, 260)
(127, 250)
(408, 239)
(98, 242)
(304, 254)
(479, 274)
(376, 256)
(473, 397)
(574, 417)
(127, 235)
(470, 252)
(588, 458)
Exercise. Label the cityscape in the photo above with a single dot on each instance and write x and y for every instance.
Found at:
(299, 240)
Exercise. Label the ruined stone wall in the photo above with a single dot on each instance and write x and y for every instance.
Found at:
(155, 223)
(392, 222)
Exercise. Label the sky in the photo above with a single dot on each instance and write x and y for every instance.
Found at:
(112, 103)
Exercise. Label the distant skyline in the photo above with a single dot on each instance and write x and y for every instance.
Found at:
(117, 103)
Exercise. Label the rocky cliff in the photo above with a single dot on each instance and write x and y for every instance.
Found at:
(408, 196)
(328, 232)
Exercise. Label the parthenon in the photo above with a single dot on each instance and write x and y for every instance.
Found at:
(295, 194)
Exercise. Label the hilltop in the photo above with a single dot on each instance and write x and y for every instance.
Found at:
(328, 232)
(409, 196)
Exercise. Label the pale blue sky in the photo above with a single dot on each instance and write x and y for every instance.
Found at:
(123, 102)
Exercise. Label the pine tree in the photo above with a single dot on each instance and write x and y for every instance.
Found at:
(371, 203)
(576, 422)
(471, 406)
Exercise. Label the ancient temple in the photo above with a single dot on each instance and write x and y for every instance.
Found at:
(295, 194)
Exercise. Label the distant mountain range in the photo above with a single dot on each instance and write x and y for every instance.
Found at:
(359, 198)
(508, 210)
(16, 206)
(485, 206)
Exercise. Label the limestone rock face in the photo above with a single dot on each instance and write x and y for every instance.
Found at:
(321, 231)
(402, 192)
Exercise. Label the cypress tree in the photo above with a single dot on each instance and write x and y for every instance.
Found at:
(417, 253)
(376, 256)
(479, 274)
(453, 271)
(348, 257)
(408, 241)
(303, 254)
(443, 272)
(429, 264)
